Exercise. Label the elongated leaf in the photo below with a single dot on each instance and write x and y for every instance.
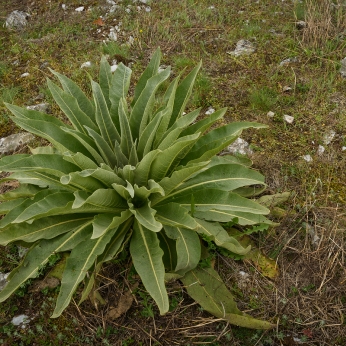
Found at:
(140, 114)
(142, 170)
(104, 222)
(81, 259)
(126, 141)
(230, 215)
(188, 248)
(177, 128)
(218, 234)
(35, 259)
(51, 204)
(90, 147)
(150, 71)
(147, 260)
(104, 149)
(17, 209)
(176, 180)
(148, 135)
(216, 140)
(168, 159)
(172, 214)
(45, 228)
(5, 207)
(212, 199)
(205, 124)
(183, 93)
(222, 177)
(104, 198)
(119, 87)
(103, 118)
(206, 287)
(168, 246)
(227, 159)
(86, 183)
(145, 216)
(106, 177)
(105, 78)
(24, 190)
(121, 158)
(63, 141)
(26, 114)
(52, 164)
(70, 107)
(80, 160)
(166, 112)
(73, 89)
(41, 179)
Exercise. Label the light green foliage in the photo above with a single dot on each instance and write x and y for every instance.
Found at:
(120, 174)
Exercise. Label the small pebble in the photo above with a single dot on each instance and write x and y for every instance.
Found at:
(320, 149)
(210, 110)
(86, 64)
(270, 114)
(288, 118)
(307, 158)
(26, 74)
(79, 9)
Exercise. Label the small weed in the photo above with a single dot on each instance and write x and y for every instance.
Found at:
(263, 99)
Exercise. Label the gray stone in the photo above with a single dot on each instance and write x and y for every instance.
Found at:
(13, 142)
(3, 280)
(289, 61)
(240, 146)
(41, 107)
(343, 67)
(17, 20)
(243, 47)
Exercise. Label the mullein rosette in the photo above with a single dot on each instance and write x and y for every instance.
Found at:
(144, 175)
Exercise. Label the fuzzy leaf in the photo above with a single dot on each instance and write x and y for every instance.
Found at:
(147, 260)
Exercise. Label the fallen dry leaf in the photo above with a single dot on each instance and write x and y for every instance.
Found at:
(123, 306)
(99, 22)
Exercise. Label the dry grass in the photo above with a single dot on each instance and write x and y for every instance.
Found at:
(325, 21)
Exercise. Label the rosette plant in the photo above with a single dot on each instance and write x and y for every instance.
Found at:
(141, 174)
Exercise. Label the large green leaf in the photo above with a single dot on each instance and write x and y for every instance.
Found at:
(205, 124)
(90, 147)
(216, 140)
(229, 215)
(167, 160)
(142, 170)
(222, 177)
(105, 176)
(104, 222)
(103, 118)
(24, 190)
(62, 140)
(103, 147)
(44, 228)
(140, 114)
(183, 93)
(188, 248)
(176, 180)
(52, 164)
(82, 257)
(145, 215)
(206, 287)
(147, 260)
(126, 141)
(213, 199)
(81, 181)
(168, 246)
(218, 234)
(70, 107)
(36, 258)
(150, 71)
(80, 160)
(105, 78)
(119, 87)
(172, 214)
(73, 89)
(108, 199)
(52, 204)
